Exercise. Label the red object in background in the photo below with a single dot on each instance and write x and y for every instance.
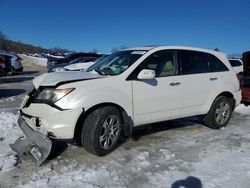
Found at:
(245, 79)
(246, 96)
(246, 63)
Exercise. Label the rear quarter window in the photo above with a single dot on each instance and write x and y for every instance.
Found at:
(235, 63)
(216, 65)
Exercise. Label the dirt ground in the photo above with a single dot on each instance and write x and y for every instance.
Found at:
(181, 153)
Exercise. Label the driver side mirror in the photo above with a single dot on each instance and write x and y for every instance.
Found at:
(146, 74)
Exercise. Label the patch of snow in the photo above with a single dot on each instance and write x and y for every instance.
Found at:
(9, 132)
(209, 158)
(7, 99)
(37, 60)
(142, 156)
(55, 56)
(167, 154)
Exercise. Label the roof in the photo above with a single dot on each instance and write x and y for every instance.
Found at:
(147, 48)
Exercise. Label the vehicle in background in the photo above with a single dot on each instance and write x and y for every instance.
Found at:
(77, 65)
(237, 64)
(52, 61)
(2, 66)
(128, 88)
(82, 60)
(245, 79)
(12, 63)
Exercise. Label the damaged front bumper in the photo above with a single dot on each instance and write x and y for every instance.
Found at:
(34, 143)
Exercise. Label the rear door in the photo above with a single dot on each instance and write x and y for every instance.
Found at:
(198, 81)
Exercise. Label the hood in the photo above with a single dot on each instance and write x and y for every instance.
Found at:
(52, 79)
(246, 62)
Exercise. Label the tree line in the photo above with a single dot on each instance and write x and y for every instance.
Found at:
(19, 47)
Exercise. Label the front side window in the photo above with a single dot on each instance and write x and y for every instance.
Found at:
(193, 62)
(117, 62)
(162, 62)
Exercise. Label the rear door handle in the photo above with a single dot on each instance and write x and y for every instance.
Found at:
(174, 83)
(213, 78)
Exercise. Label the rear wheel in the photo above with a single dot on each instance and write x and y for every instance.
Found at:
(12, 71)
(219, 113)
(101, 130)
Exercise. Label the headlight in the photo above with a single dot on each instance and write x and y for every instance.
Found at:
(53, 95)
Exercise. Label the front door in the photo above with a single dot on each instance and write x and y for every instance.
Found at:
(157, 99)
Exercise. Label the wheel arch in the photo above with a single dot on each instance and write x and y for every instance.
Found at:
(127, 121)
(229, 95)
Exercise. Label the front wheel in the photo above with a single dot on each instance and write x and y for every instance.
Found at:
(219, 113)
(101, 130)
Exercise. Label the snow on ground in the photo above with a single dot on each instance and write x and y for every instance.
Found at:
(54, 56)
(188, 156)
(9, 131)
(7, 99)
(36, 60)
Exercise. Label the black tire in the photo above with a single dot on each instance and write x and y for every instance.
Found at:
(12, 71)
(94, 128)
(212, 118)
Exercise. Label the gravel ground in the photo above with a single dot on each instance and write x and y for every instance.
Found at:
(181, 153)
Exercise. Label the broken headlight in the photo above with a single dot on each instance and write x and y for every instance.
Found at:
(52, 95)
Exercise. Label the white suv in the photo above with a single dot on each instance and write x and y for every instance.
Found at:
(126, 89)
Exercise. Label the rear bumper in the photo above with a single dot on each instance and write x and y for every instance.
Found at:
(34, 144)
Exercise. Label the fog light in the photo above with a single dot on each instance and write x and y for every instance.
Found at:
(35, 152)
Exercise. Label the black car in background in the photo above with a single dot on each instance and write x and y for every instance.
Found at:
(52, 62)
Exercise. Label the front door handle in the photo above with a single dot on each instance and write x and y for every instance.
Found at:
(213, 78)
(174, 83)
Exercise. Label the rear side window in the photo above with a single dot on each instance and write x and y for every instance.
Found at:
(235, 63)
(215, 64)
(193, 62)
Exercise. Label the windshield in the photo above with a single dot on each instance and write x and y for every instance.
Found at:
(78, 60)
(116, 63)
(82, 60)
